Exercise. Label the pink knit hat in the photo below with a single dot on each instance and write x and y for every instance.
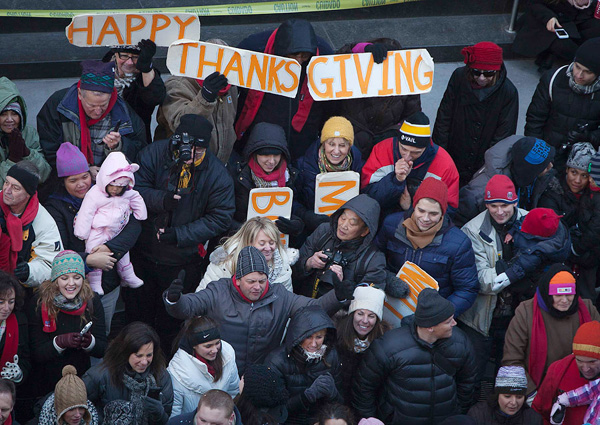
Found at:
(70, 161)
(370, 421)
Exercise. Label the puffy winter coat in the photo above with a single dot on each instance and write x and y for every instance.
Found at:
(253, 329)
(191, 379)
(201, 214)
(488, 251)
(565, 203)
(9, 93)
(469, 121)
(405, 380)
(486, 413)
(449, 258)
(299, 374)
(365, 262)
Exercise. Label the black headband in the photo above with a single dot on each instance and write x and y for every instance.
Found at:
(204, 336)
(28, 180)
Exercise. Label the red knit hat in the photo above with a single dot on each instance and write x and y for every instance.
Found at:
(500, 188)
(486, 56)
(435, 189)
(587, 340)
(541, 222)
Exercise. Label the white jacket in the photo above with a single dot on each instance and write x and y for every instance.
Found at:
(219, 268)
(191, 379)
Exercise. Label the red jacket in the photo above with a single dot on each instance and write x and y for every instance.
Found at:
(562, 376)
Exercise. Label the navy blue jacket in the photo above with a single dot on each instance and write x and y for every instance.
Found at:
(449, 258)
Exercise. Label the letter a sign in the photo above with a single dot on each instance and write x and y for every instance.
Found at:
(271, 203)
(332, 190)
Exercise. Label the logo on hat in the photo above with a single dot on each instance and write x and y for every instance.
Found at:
(538, 153)
(489, 194)
(509, 195)
(567, 290)
(407, 139)
(337, 133)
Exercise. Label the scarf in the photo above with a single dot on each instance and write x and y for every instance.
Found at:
(237, 288)
(85, 123)
(138, 385)
(186, 172)
(261, 179)
(361, 345)
(580, 4)
(275, 270)
(417, 238)
(121, 83)
(66, 197)
(209, 367)
(316, 356)
(11, 342)
(75, 307)
(578, 88)
(326, 166)
(11, 243)
(539, 345)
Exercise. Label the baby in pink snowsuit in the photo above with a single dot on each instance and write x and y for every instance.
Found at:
(105, 211)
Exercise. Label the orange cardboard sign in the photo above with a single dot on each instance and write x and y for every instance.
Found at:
(271, 203)
(332, 190)
(130, 28)
(243, 68)
(356, 75)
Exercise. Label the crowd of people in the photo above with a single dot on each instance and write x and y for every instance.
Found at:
(134, 289)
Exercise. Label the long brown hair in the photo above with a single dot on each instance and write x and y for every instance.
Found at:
(49, 289)
(346, 332)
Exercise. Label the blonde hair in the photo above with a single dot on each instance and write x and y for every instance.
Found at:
(49, 289)
(246, 237)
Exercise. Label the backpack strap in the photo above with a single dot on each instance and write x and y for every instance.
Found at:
(552, 80)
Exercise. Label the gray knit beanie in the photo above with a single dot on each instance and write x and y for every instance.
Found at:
(511, 380)
(250, 260)
(580, 156)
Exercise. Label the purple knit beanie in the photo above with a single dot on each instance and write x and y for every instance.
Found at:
(70, 161)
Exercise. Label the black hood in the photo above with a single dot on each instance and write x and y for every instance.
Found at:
(306, 322)
(295, 36)
(366, 208)
(266, 135)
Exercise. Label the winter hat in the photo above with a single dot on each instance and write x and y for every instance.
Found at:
(67, 261)
(500, 188)
(197, 127)
(295, 36)
(562, 283)
(70, 160)
(338, 127)
(435, 189)
(415, 131)
(251, 260)
(97, 76)
(511, 380)
(580, 156)
(28, 180)
(368, 298)
(70, 393)
(486, 56)
(121, 181)
(14, 106)
(432, 308)
(594, 168)
(370, 421)
(541, 222)
(587, 340)
(266, 137)
(530, 156)
(587, 55)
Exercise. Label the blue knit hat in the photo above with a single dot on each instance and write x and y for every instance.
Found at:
(67, 262)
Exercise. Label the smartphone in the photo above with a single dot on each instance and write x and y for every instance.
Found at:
(561, 33)
(154, 392)
(86, 328)
(116, 129)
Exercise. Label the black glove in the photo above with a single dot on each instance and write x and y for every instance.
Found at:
(501, 266)
(576, 136)
(396, 287)
(378, 50)
(154, 409)
(147, 52)
(312, 220)
(17, 150)
(70, 340)
(293, 226)
(211, 86)
(170, 236)
(22, 271)
(169, 202)
(322, 387)
(174, 291)
(344, 289)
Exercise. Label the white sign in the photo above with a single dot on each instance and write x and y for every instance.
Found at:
(271, 203)
(243, 68)
(332, 190)
(355, 75)
(130, 28)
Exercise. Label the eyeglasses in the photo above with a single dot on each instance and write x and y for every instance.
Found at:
(125, 57)
(487, 74)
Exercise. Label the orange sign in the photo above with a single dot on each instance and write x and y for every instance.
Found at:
(332, 190)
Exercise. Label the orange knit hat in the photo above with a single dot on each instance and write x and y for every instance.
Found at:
(587, 340)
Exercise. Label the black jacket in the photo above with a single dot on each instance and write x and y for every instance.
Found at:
(469, 121)
(365, 262)
(487, 413)
(203, 213)
(405, 380)
(559, 197)
(299, 374)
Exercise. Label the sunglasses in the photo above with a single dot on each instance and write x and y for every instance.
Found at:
(126, 57)
(487, 74)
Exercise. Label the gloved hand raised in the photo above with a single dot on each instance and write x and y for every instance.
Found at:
(211, 86)
(344, 289)
(147, 52)
(378, 50)
(500, 282)
(293, 226)
(174, 291)
(322, 387)
(12, 371)
(17, 149)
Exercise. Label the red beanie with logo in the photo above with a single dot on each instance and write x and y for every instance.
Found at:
(486, 56)
(435, 189)
(541, 222)
(500, 188)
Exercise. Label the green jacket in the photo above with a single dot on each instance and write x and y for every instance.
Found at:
(8, 94)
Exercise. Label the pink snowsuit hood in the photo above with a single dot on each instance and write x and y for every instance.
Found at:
(114, 166)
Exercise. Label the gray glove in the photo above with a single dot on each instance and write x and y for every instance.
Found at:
(322, 387)
(12, 371)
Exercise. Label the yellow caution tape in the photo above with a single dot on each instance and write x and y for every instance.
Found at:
(262, 8)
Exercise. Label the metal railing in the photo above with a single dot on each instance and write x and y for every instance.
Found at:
(513, 17)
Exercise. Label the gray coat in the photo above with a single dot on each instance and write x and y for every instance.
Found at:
(252, 329)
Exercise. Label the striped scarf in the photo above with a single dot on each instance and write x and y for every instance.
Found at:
(325, 166)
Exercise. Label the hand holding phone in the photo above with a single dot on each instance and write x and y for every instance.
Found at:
(86, 328)
(154, 392)
(561, 33)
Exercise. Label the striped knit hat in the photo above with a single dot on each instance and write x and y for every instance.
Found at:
(415, 131)
(511, 380)
(97, 76)
(251, 260)
(67, 262)
(594, 168)
(587, 340)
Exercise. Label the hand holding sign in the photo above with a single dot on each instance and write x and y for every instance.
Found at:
(402, 169)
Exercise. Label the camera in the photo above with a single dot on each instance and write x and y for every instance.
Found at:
(183, 144)
(335, 258)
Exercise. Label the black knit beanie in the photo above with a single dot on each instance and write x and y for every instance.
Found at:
(588, 55)
(432, 308)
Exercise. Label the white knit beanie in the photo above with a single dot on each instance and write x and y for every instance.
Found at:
(368, 298)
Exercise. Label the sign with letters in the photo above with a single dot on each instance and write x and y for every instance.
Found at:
(243, 68)
(355, 75)
(130, 28)
(332, 190)
(271, 203)
(417, 279)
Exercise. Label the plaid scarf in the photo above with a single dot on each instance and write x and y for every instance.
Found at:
(578, 88)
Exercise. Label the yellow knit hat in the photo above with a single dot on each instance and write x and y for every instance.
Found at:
(70, 393)
(338, 127)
